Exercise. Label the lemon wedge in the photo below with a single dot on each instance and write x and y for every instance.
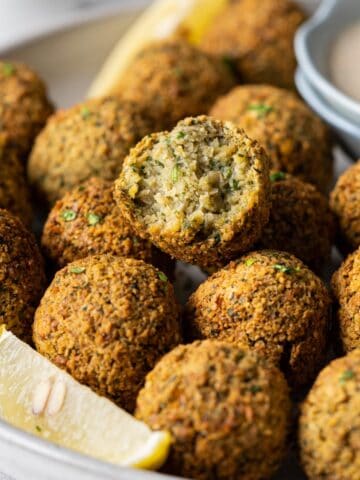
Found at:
(163, 19)
(38, 397)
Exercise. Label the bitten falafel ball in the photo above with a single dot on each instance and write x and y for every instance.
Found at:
(86, 221)
(295, 139)
(107, 320)
(258, 39)
(22, 276)
(200, 192)
(268, 301)
(329, 430)
(88, 140)
(345, 203)
(346, 288)
(300, 222)
(24, 106)
(227, 410)
(174, 80)
(14, 191)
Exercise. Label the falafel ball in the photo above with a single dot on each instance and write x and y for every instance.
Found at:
(22, 276)
(227, 410)
(258, 39)
(295, 139)
(329, 430)
(346, 288)
(14, 191)
(300, 222)
(88, 140)
(200, 192)
(107, 320)
(268, 301)
(345, 203)
(24, 106)
(86, 221)
(174, 80)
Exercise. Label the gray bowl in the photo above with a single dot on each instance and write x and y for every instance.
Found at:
(313, 44)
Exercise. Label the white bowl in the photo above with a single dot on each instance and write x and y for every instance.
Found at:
(312, 45)
(348, 132)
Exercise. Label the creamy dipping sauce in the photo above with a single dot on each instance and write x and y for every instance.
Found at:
(345, 61)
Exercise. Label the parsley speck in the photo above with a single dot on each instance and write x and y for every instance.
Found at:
(85, 113)
(8, 69)
(261, 109)
(68, 215)
(276, 176)
(175, 174)
(180, 135)
(249, 262)
(255, 389)
(346, 375)
(93, 219)
(38, 429)
(162, 277)
(77, 270)
(283, 268)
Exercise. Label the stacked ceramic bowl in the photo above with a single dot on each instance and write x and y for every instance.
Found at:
(315, 79)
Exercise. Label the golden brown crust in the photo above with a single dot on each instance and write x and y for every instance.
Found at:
(300, 221)
(24, 106)
(175, 231)
(268, 301)
(174, 80)
(107, 320)
(346, 287)
(86, 221)
(227, 409)
(330, 422)
(22, 276)
(345, 203)
(295, 139)
(258, 39)
(14, 191)
(88, 140)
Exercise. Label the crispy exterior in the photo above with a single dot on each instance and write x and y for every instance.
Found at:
(24, 106)
(22, 276)
(192, 244)
(329, 432)
(88, 140)
(294, 138)
(174, 80)
(346, 287)
(86, 221)
(228, 411)
(345, 203)
(14, 191)
(107, 320)
(258, 38)
(268, 301)
(300, 221)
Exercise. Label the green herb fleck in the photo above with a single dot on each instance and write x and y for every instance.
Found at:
(8, 69)
(38, 429)
(180, 135)
(85, 113)
(277, 176)
(68, 215)
(227, 171)
(93, 219)
(175, 172)
(283, 268)
(346, 375)
(157, 162)
(255, 389)
(261, 109)
(162, 277)
(77, 269)
(234, 184)
(249, 262)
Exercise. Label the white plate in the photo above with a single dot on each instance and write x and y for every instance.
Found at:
(68, 60)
